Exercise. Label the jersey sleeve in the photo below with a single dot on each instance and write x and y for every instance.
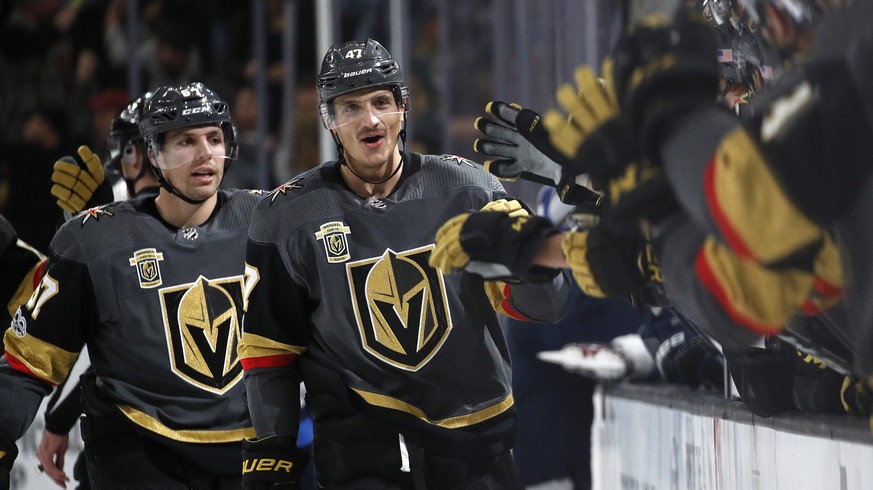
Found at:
(20, 269)
(48, 331)
(545, 302)
(272, 339)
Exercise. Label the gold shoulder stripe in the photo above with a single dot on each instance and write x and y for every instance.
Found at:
(252, 345)
(385, 401)
(196, 436)
(46, 361)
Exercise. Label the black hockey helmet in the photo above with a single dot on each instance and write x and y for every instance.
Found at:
(124, 131)
(801, 12)
(183, 106)
(354, 66)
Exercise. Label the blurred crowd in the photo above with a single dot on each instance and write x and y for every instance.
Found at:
(66, 73)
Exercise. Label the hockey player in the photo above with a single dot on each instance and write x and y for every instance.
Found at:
(406, 369)
(128, 159)
(21, 267)
(154, 288)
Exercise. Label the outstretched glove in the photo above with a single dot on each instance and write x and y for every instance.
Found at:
(519, 147)
(8, 453)
(597, 136)
(592, 134)
(77, 186)
(498, 242)
(272, 463)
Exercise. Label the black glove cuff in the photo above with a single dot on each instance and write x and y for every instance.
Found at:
(606, 152)
(491, 236)
(615, 262)
(10, 452)
(274, 460)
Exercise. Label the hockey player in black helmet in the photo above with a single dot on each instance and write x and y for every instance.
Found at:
(188, 106)
(352, 68)
(153, 287)
(406, 369)
(128, 155)
(127, 160)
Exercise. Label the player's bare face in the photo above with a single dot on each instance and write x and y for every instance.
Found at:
(192, 160)
(369, 138)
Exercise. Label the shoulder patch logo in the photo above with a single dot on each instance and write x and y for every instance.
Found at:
(147, 266)
(336, 245)
(282, 189)
(95, 213)
(458, 160)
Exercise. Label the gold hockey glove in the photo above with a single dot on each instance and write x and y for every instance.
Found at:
(498, 242)
(75, 184)
(604, 265)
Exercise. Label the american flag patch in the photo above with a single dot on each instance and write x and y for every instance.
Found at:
(725, 55)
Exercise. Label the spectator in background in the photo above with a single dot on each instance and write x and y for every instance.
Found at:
(245, 115)
(26, 165)
(169, 47)
(103, 109)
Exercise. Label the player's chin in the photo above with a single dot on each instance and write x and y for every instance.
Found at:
(203, 191)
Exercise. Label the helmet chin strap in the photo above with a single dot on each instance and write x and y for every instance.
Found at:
(342, 157)
(167, 185)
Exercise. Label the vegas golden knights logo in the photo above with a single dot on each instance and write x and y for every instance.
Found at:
(336, 246)
(401, 308)
(147, 267)
(202, 322)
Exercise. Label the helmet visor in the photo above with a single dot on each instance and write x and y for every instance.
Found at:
(353, 108)
(187, 145)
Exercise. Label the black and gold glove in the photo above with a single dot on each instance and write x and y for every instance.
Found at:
(272, 463)
(595, 135)
(498, 242)
(518, 146)
(605, 265)
(78, 186)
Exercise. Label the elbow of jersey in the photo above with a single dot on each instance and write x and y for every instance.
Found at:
(271, 361)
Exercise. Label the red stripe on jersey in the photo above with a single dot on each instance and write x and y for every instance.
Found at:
(268, 361)
(731, 236)
(507, 292)
(19, 366)
(711, 283)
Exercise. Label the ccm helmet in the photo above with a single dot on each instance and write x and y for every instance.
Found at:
(354, 66)
(184, 106)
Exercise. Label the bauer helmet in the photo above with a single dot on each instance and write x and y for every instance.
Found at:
(354, 66)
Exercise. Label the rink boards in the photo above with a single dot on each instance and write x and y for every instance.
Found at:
(653, 437)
